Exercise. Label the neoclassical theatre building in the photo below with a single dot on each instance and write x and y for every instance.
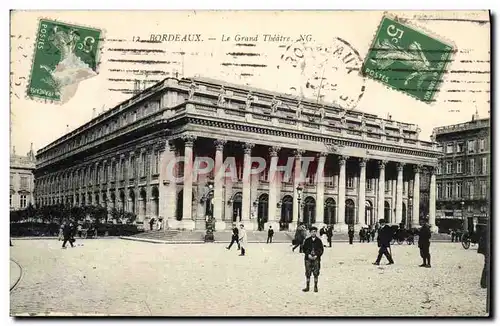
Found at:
(123, 158)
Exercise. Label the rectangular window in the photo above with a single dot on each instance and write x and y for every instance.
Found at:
(350, 182)
(143, 164)
(122, 169)
(459, 190)
(387, 185)
(482, 143)
(472, 169)
(439, 168)
(483, 165)
(449, 148)
(105, 168)
(449, 167)
(471, 189)
(483, 188)
(459, 166)
(23, 201)
(156, 162)
(148, 164)
(449, 190)
(460, 147)
(439, 191)
(440, 148)
(470, 146)
(369, 184)
(113, 171)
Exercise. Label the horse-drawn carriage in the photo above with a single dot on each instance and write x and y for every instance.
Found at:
(401, 236)
(468, 238)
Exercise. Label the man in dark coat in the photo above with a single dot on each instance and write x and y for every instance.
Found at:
(313, 249)
(234, 238)
(362, 235)
(68, 234)
(350, 233)
(329, 235)
(270, 234)
(384, 242)
(424, 242)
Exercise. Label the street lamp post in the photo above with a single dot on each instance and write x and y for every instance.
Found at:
(299, 194)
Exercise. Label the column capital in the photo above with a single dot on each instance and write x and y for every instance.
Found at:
(322, 154)
(343, 159)
(273, 151)
(298, 152)
(432, 169)
(219, 144)
(247, 148)
(160, 145)
(382, 163)
(363, 161)
(417, 168)
(400, 166)
(188, 140)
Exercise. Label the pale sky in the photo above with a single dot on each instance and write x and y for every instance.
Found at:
(466, 84)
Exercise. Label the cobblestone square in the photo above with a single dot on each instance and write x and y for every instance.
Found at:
(119, 277)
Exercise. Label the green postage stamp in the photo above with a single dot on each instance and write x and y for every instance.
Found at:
(407, 60)
(64, 55)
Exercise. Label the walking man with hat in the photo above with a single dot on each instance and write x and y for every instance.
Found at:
(384, 242)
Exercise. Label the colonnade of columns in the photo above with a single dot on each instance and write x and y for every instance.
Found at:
(320, 187)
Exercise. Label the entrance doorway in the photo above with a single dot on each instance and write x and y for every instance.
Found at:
(349, 212)
(286, 212)
(237, 200)
(262, 211)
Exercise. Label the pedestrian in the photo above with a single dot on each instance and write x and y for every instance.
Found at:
(299, 238)
(484, 250)
(11, 243)
(79, 230)
(313, 249)
(234, 238)
(322, 235)
(384, 242)
(270, 234)
(372, 232)
(61, 234)
(329, 235)
(151, 223)
(362, 236)
(350, 233)
(67, 234)
(243, 239)
(424, 242)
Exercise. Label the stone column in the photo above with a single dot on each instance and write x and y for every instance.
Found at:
(187, 200)
(273, 188)
(296, 182)
(218, 184)
(246, 202)
(166, 184)
(362, 191)
(341, 226)
(399, 194)
(416, 197)
(381, 189)
(432, 200)
(320, 188)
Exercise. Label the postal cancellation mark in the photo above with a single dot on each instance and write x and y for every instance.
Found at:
(64, 55)
(407, 60)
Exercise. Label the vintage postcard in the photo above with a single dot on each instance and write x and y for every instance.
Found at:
(250, 163)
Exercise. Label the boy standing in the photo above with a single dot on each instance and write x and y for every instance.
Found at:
(313, 249)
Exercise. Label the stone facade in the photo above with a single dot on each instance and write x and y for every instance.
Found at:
(129, 157)
(463, 173)
(22, 180)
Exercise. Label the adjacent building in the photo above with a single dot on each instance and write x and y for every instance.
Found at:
(22, 181)
(140, 155)
(463, 173)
